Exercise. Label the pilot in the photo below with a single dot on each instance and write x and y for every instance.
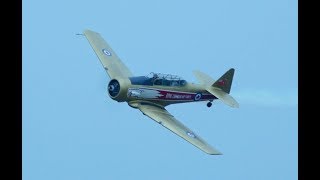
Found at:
(156, 80)
(155, 76)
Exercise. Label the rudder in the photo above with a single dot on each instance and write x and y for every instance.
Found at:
(225, 81)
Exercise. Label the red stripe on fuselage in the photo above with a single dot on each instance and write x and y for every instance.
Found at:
(181, 96)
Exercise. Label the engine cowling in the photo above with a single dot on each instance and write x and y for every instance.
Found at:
(117, 89)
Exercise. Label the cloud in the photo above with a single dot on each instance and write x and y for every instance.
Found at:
(265, 97)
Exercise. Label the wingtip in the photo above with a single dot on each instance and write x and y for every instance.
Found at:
(85, 30)
(236, 105)
(89, 31)
(215, 153)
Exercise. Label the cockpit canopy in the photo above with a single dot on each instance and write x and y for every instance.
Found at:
(158, 79)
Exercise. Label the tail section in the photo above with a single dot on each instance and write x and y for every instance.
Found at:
(220, 88)
(225, 81)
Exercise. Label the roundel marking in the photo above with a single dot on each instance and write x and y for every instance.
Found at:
(222, 82)
(191, 134)
(197, 97)
(106, 52)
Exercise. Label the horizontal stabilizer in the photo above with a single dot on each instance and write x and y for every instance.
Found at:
(203, 78)
(223, 96)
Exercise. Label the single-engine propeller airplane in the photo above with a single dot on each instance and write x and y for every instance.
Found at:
(150, 94)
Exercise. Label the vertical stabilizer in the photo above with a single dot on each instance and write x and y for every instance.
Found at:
(225, 81)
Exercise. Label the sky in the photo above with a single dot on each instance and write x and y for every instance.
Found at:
(71, 129)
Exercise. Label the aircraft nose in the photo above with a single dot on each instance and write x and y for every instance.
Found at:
(113, 88)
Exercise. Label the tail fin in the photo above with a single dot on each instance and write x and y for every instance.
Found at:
(225, 81)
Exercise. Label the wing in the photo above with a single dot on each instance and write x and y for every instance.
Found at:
(163, 117)
(110, 61)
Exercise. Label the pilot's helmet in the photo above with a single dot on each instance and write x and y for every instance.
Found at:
(155, 76)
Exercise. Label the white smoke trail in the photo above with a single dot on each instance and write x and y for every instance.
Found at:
(265, 97)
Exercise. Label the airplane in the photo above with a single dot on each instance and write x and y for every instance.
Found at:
(152, 93)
